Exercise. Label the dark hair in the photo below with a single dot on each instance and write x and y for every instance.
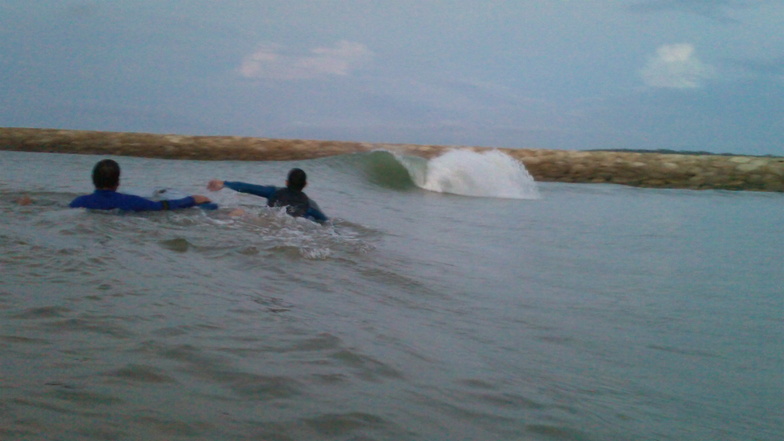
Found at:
(297, 179)
(106, 174)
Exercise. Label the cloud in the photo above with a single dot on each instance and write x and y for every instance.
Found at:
(269, 62)
(675, 66)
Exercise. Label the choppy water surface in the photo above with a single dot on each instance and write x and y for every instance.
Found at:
(524, 311)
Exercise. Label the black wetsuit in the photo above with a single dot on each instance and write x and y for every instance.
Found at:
(312, 210)
(296, 202)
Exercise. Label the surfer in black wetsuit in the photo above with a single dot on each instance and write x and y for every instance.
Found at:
(297, 203)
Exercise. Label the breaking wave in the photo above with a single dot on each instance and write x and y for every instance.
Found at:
(491, 174)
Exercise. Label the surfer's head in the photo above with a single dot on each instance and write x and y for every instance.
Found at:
(106, 175)
(297, 179)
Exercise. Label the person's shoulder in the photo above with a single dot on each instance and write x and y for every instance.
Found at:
(78, 201)
(83, 197)
(82, 201)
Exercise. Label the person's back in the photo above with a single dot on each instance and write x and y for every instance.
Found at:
(106, 179)
(297, 203)
(292, 197)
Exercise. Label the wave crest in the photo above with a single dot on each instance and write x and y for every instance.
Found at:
(490, 173)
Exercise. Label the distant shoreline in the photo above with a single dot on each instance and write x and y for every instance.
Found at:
(676, 152)
(641, 168)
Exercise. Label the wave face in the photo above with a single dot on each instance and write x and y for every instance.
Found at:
(490, 174)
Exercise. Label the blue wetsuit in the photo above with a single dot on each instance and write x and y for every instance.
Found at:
(109, 200)
(313, 212)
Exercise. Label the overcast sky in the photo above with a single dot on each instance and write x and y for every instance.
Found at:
(703, 75)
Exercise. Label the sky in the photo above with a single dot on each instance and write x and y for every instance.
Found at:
(693, 75)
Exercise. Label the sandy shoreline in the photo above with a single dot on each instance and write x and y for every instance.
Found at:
(636, 169)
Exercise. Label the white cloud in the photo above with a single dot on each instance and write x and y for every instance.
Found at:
(675, 66)
(268, 62)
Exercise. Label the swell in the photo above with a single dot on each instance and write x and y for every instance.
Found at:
(381, 168)
(491, 173)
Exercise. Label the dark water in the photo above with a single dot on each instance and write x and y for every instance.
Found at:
(523, 312)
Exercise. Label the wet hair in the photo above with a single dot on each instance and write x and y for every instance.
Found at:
(297, 179)
(106, 174)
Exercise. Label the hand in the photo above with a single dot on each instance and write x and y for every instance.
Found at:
(215, 185)
(199, 199)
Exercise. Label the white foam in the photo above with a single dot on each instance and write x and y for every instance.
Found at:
(484, 174)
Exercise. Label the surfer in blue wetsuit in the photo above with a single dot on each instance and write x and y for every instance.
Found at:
(106, 178)
(297, 203)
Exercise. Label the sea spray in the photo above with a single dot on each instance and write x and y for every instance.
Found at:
(484, 174)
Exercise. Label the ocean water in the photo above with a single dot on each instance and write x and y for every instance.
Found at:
(450, 299)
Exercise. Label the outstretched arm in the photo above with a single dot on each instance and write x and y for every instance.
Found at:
(111, 200)
(264, 191)
(169, 204)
